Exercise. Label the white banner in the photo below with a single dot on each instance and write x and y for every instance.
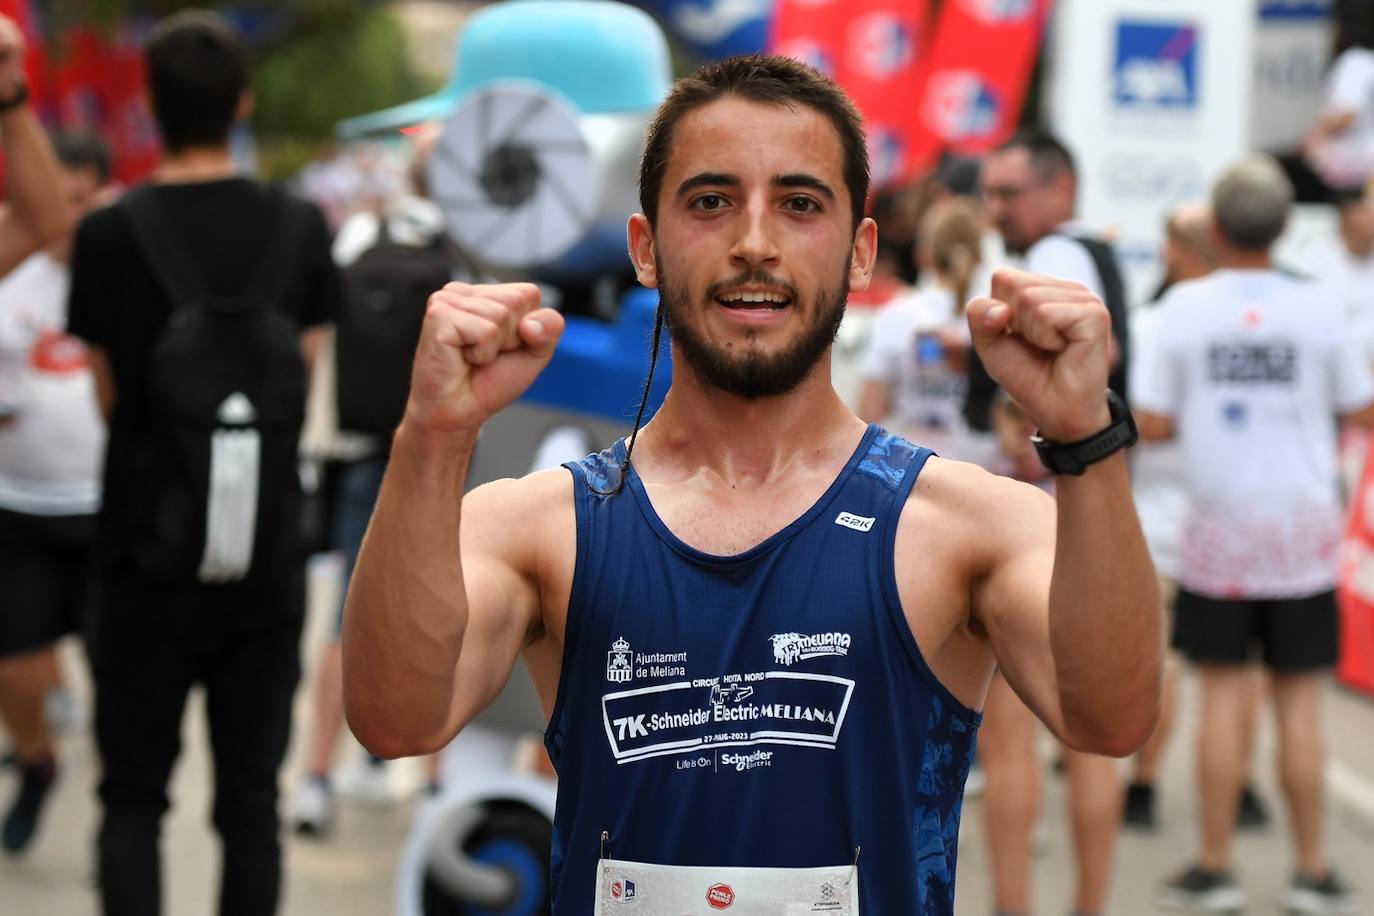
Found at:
(1292, 54)
(637, 889)
(1154, 99)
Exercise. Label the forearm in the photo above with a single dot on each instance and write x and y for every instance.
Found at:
(33, 184)
(1106, 633)
(407, 609)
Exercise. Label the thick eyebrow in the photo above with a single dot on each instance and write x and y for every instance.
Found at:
(802, 180)
(791, 180)
(714, 179)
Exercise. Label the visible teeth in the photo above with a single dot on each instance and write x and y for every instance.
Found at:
(755, 297)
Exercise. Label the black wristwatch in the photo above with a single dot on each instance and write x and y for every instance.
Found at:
(1074, 457)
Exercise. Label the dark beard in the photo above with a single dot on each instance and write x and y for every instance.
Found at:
(753, 374)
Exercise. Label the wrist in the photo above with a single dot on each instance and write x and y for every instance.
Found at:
(1073, 456)
(15, 97)
(1076, 428)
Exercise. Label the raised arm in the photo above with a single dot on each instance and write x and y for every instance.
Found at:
(445, 593)
(37, 215)
(1069, 600)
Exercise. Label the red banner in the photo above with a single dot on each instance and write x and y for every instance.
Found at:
(872, 48)
(960, 88)
(976, 76)
(95, 84)
(1356, 592)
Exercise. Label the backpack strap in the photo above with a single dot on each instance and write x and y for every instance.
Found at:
(283, 247)
(161, 247)
(172, 267)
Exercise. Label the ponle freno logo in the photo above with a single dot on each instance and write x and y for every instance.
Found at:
(720, 896)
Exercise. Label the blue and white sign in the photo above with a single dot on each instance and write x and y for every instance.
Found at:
(1156, 65)
(715, 28)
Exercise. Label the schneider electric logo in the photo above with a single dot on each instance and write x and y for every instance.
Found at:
(750, 761)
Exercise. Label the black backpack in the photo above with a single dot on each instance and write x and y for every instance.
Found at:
(218, 495)
(385, 293)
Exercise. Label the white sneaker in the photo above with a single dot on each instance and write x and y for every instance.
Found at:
(1328, 895)
(312, 807)
(369, 779)
(65, 713)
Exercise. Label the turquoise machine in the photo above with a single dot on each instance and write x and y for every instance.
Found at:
(543, 123)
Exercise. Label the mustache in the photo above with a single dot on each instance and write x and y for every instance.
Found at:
(755, 278)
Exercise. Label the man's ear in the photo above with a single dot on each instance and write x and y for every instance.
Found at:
(244, 110)
(641, 239)
(864, 255)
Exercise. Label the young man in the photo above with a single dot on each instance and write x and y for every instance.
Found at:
(1251, 368)
(756, 651)
(51, 442)
(162, 628)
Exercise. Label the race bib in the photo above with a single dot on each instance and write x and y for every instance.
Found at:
(636, 889)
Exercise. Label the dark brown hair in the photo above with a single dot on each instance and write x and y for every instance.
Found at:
(756, 78)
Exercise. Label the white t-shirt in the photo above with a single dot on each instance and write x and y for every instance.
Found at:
(1254, 366)
(1059, 255)
(1346, 160)
(905, 353)
(1158, 469)
(1331, 263)
(52, 451)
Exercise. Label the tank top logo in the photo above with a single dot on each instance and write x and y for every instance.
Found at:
(618, 667)
(789, 648)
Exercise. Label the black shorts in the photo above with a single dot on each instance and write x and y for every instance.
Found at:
(46, 569)
(1287, 634)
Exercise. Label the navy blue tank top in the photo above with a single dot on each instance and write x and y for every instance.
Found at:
(769, 709)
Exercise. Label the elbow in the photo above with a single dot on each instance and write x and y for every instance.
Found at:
(389, 741)
(1121, 734)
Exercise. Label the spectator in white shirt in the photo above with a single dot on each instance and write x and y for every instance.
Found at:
(1340, 145)
(913, 366)
(1251, 368)
(1345, 262)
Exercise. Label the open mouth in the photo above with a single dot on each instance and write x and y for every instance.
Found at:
(754, 301)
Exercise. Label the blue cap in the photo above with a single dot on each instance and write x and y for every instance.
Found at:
(603, 56)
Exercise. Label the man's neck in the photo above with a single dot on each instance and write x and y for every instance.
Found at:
(196, 163)
(1241, 259)
(746, 441)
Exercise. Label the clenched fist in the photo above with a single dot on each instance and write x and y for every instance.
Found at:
(1048, 343)
(480, 347)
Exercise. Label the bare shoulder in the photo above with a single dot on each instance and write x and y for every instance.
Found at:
(534, 511)
(972, 511)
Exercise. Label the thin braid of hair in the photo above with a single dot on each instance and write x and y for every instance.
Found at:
(643, 403)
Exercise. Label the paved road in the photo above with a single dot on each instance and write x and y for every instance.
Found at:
(353, 873)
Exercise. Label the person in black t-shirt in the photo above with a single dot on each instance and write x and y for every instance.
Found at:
(155, 635)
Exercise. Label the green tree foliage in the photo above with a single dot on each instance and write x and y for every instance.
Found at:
(315, 62)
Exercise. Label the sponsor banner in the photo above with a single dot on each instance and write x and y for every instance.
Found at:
(1293, 43)
(761, 708)
(96, 83)
(1154, 117)
(975, 78)
(872, 48)
(670, 890)
(1356, 590)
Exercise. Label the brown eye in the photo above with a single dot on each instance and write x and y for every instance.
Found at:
(708, 202)
(802, 205)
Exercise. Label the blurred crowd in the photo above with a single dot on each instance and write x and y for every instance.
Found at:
(1243, 371)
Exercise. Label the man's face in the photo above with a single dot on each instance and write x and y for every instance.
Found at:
(1023, 205)
(1357, 228)
(754, 252)
(80, 189)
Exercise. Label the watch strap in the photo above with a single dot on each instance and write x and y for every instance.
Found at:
(1074, 458)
